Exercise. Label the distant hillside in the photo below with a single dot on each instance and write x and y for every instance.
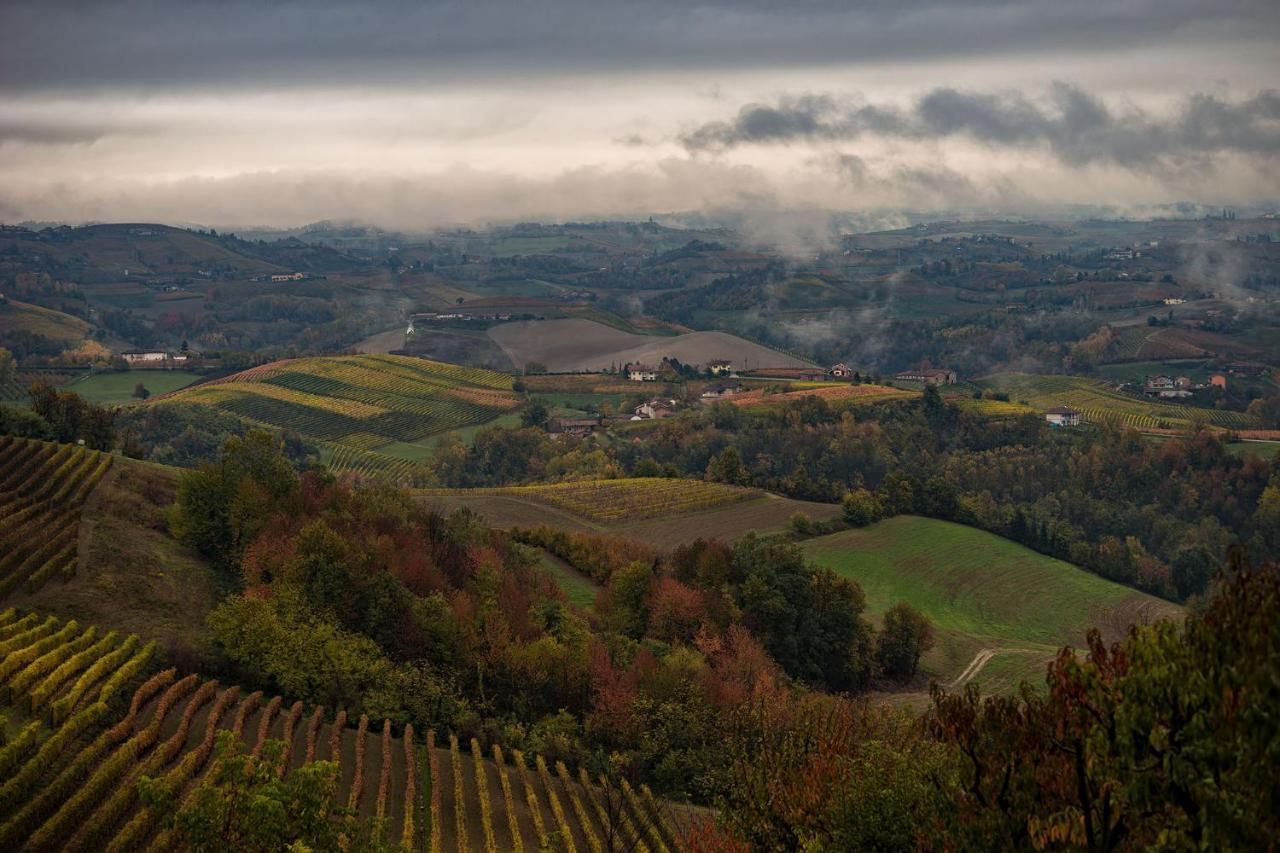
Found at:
(578, 344)
(369, 410)
(104, 252)
(18, 316)
(663, 512)
(1001, 610)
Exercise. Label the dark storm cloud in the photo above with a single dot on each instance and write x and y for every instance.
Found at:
(39, 131)
(1077, 127)
(150, 45)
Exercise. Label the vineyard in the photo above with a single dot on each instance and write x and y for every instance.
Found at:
(42, 489)
(15, 390)
(995, 408)
(359, 402)
(843, 393)
(68, 779)
(1097, 403)
(629, 498)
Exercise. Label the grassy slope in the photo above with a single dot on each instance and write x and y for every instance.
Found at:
(133, 576)
(117, 388)
(580, 589)
(981, 591)
(60, 327)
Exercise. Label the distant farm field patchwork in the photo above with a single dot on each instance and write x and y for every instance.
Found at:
(356, 404)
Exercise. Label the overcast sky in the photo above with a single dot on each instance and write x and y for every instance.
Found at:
(407, 115)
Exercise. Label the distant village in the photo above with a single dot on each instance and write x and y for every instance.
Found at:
(726, 384)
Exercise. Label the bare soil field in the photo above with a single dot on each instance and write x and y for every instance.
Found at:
(577, 344)
(383, 343)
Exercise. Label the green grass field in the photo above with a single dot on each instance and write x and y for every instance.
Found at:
(117, 388)
(579, 589)
(981, 592)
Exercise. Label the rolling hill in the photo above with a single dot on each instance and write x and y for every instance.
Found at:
(578, 344)
(24, 317)
(1000, 610)
(661, 511)
(72, 769)
(357, 405)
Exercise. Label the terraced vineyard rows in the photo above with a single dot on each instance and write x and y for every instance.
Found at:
(42, 489)
(1140, 343)
(630, 498)
(68, 779)
(15, 390)
(344, 458)
(995, 408)
(1097, 403)
(363, 401)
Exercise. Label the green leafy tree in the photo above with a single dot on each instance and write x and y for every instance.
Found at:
(860, 508)
(534, 415)
(222, 505)
(625, 601)
(905, 635)
(897, 495)
(727, 468)
(807, 618)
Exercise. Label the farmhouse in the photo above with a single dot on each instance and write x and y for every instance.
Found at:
(143, 356)
(841, 371)
(1061, 416)
(289, 276)
(642, 373)
(930, 376)
(720, 366)
(721, 389)
(1217, 380)
(572, 426)
(657, 408)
